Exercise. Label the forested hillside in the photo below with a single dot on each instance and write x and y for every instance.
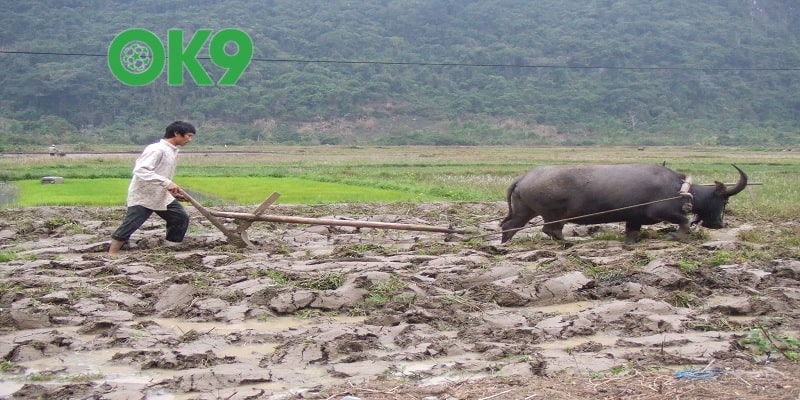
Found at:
(416, 72)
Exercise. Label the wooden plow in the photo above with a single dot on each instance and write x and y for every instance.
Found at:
(238, 236)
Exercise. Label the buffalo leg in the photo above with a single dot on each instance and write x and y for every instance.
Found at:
(632, 231)
(683, 231)
(554, 230)
(683, 227)
(513, 224)
(516, 219)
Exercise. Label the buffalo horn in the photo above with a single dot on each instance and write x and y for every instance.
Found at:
(739, 185)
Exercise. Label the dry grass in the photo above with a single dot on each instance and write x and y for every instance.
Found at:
(766, 383)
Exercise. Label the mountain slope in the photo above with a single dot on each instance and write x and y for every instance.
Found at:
(417, 71)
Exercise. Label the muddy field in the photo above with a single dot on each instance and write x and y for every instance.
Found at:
(317, 312)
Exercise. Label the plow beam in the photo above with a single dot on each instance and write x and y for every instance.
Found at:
(333, 222)
(238, 236)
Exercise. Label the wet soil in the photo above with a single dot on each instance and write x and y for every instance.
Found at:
(320, 312)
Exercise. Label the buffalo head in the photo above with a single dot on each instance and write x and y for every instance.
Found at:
(708, 203)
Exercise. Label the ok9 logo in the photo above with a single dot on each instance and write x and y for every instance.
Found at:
(137, 57)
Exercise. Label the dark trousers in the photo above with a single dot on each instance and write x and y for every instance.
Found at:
(175, 215)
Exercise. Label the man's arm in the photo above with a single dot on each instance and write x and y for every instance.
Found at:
(145, 168)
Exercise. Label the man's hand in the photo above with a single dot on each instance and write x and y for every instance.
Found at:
(176, 192)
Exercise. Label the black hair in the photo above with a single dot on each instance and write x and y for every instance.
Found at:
(180, 128)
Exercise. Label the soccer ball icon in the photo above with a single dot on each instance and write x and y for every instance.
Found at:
(137, 57)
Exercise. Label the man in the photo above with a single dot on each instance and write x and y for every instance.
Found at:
(152, 190)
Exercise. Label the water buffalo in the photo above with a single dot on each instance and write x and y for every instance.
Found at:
(588, 192)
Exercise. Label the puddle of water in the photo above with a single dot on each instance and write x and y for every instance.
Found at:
(99, 361)
(566, 308)
(605, 340)
(411, 367)
(251, 352)
(273, 324)
(9, 387)
(86, 363)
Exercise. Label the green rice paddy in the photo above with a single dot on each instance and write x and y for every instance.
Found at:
(328, 174)
(216, 190)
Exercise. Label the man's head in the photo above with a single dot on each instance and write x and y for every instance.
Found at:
(180, 133)
(179, 128)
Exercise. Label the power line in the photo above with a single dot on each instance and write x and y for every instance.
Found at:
(50, 53)
(546, 66)
(451, 64)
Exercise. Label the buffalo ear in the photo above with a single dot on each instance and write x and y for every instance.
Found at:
(721, 190)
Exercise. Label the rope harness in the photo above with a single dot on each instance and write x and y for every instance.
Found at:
(683, 194)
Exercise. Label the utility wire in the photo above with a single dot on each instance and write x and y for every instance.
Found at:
(548, 66)
(449, 64)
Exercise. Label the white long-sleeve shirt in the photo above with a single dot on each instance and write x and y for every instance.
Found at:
(152, 173)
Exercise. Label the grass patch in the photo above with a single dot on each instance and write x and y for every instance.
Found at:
(6, 256)
(760, 341)
(720, 257)
(250, 190)
(327, 281)
(609, 236)
(356, 250)
(6, 366)
(383, 291)
(685, 299)
(689, 267)
(330, 174)
(279, 278)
